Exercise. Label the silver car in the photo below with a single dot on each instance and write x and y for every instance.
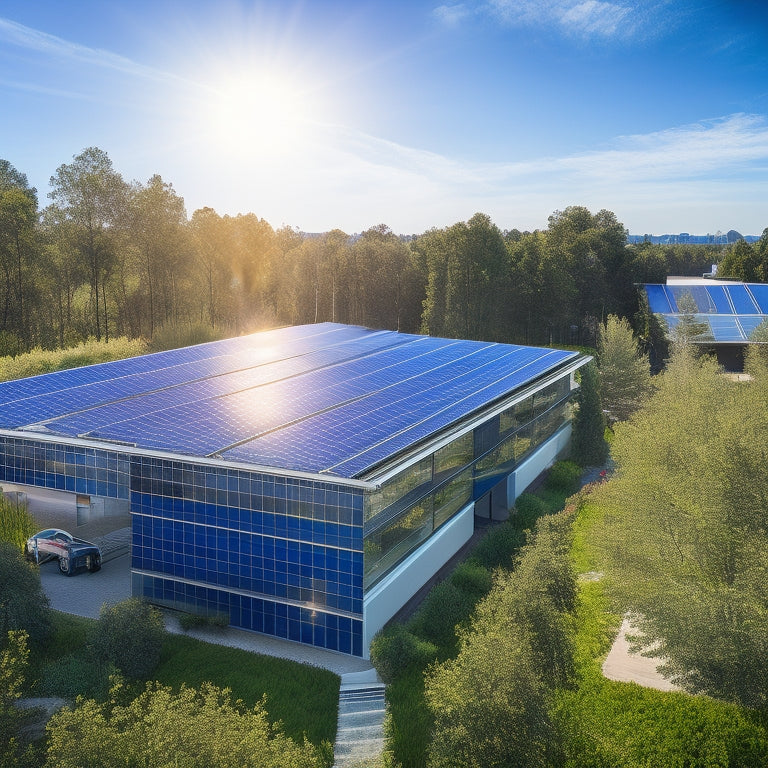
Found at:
(72, 553)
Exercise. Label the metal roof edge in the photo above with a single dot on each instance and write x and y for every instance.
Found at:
(376, 477)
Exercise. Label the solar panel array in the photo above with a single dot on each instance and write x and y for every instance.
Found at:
(316, 398)
(726, 312)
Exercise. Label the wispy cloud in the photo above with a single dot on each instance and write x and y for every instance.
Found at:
(586, 19)
(685, 177)
(56, 47)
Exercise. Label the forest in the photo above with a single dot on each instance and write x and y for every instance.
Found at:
(107, 258)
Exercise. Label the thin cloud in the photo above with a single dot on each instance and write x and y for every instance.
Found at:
(452, 15)
(56, 47)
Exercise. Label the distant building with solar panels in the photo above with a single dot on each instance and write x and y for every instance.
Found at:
(306, 482)
(726, 312)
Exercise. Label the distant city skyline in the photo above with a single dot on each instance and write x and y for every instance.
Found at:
(414, 114)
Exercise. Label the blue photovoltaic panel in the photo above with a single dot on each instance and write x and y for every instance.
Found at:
(317, 398)
(731, 311)
(657, 299)
(742, 300)
(760, 295)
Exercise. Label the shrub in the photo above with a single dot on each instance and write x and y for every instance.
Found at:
(189, 621)
(395, 648)
(183, 335)
(130, 634)
(444, 607)
(564, 476)
(499, 546)
(16, 524)
(528, 509)
(473, 579)
(23, 604)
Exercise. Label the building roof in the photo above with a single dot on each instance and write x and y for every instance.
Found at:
(728, 311)
(324, 398)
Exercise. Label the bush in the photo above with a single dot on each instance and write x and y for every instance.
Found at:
(528, 509)
(189, 621)
(473, 579)
(564, 476)
(23, 604)
(183, 335)
(16, 524)
(444, 607)
(395, 649)
(497, 549)
(130, 635)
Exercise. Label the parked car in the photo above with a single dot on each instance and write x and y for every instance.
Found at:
(72, 553)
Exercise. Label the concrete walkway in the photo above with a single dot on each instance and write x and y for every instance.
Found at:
(360, 730)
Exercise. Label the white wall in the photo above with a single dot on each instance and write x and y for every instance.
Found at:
(387, 597)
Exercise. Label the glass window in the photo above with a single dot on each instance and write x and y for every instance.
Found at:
(451, 497)
(401, 485)
(457, 454)
(387, 546)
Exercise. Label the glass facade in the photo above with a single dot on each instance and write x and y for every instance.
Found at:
(412, 505)
(274, 554)
(281, 555)
(73, 468)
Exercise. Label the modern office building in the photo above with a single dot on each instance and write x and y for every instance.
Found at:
(720, 315)
(304, 482)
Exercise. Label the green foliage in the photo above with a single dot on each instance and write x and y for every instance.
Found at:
(189, 621)
(130, 635)
(14, 655)
(685, 539)
(16, 524)
(605, 724)
(77, 674)
(564, 476)
(195, 727)
(396, 649)
(588, 443)
(173, 336)
(23, 604)
(446, 606)
(88, 353)
(490, 703)
(625, 374)
(499, 546)
(529, 507)
(303, 698)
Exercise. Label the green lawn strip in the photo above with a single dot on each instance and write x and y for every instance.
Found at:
(304, 698)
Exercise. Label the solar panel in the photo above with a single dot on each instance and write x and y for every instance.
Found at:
(320, 398)
(730, 311)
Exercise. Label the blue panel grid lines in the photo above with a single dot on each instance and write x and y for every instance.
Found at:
(727, 312)
(315, 398)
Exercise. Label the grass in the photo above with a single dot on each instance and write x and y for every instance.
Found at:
(304, 698)
(607, 724)
(89, 352)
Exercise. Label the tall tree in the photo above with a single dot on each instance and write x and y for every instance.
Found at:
(588, 443)
(90, 197)
(625, 374)
(685, 539)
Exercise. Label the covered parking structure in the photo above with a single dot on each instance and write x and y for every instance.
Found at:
(305, 481)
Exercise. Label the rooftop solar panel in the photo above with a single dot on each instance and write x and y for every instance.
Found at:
(317, 398)
(731, 311)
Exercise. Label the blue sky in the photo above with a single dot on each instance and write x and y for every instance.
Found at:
(323, 114)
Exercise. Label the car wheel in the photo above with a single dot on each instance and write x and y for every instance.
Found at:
(29, 556)
(95, 565)
(65, 566)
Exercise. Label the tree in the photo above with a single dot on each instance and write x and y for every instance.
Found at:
(685, 539)
(741, 262)
(625, 375)
(195, 728)
(491, 703)
(14, 661)
(90, 197)
(23, 604)
(130, 635)
(588, 442)
(689, 328)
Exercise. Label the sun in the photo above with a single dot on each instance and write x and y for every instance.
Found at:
(257, 114)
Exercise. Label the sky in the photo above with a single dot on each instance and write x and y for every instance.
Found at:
(326, 114)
